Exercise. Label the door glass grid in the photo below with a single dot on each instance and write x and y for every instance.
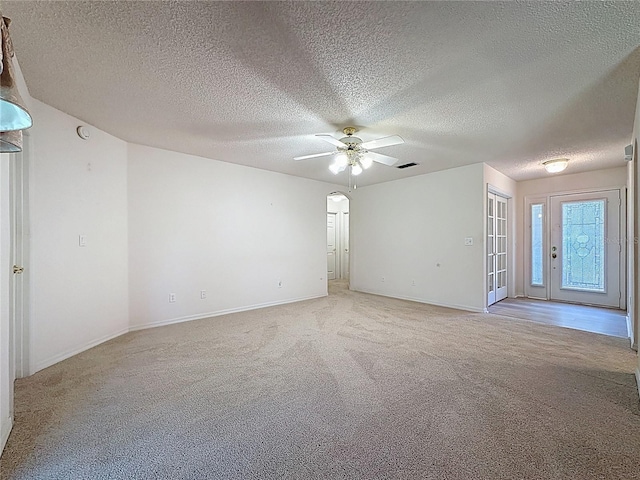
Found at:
(490, 246)
(583, 245)
(501, 243)
(537, 256)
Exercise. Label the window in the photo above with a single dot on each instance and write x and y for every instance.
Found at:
(537, 244)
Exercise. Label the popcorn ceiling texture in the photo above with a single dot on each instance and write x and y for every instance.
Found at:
(509, 84)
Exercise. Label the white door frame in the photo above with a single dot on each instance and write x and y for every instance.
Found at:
(540, 292)
(336, 241)
(19, 303)
(345, 253)
(510, 246)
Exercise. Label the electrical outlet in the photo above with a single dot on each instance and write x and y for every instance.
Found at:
(413, 283)
(172, 298)
(382, 280)
(468, 241)
(203, 294)
(279, 283)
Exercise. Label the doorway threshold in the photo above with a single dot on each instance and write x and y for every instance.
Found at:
(605, 321)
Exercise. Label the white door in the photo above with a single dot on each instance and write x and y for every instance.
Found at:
(345, 246)
(585, 248)
(496, 248)
(331, 246)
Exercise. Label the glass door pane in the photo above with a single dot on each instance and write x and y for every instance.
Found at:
(537, 245)
(583, 252)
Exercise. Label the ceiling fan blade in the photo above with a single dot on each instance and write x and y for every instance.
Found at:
(315, 155)
(383, 142)
(331, 140)
(378, 157)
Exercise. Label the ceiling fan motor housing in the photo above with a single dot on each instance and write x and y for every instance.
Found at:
(351, 142)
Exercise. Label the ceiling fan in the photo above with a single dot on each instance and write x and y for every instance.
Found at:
(354, 153)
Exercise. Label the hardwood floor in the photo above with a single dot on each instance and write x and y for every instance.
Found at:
(580, 317)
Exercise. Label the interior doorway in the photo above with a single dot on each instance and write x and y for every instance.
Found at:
(338, 251)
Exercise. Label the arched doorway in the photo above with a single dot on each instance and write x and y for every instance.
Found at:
(338, 250)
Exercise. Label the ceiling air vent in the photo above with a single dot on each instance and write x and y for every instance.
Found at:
(407, 165)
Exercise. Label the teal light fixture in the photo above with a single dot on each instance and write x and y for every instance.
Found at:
(14, 115)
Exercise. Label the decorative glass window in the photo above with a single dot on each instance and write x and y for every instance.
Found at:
(537, 244)
(583, 253)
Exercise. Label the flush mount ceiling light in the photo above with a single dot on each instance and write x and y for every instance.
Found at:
(557, 165)
(354, 154)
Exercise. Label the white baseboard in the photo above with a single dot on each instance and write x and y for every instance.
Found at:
(201, 316)
(70, 353)
(76, 350)
(4, 434)
(428, 302)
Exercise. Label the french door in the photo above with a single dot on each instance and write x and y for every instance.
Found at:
(496, 248)
(585, 248)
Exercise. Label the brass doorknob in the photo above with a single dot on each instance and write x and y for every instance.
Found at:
(17, 269)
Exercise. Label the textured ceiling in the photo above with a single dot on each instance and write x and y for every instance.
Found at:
(510, 84)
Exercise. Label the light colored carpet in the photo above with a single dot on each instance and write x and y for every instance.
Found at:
(347, 386)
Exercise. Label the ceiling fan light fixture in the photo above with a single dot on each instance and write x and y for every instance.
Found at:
(335, 168)
(556, 166)
(342, 160)
(356, 169)
(366, 162)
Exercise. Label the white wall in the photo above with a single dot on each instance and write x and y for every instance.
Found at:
(413, 230)
(79, 295)
(198, 224)
(611, 177)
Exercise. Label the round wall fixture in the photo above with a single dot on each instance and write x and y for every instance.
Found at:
(83, 132)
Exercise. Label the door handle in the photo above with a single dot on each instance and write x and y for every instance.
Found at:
(553, 255)
(17, 270)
